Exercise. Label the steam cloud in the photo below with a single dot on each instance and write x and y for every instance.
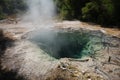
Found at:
(40, 10)
(41, 14)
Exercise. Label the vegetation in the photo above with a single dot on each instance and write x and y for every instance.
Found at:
(70, 9)
(104, 12)
(8, 7)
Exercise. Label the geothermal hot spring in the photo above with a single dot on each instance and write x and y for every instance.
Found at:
(56, 43)
(44, 46)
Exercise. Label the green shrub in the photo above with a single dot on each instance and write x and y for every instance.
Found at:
(104, 12)
(2, 15)
(8, 7)
(90, 11)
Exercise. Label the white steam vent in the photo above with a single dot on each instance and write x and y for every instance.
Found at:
(40, 10)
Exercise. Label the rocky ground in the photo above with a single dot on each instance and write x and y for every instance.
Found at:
(25, 60)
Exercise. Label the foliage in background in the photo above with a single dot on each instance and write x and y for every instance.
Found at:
(116, 4)
(104, 12)
(8, 7)
(70, 9)
(99, 11)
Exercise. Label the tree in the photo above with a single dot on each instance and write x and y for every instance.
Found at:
(70, 9)
(116, 18)
(90, 11)
(8, 7)
(104, 12)
(99, 11)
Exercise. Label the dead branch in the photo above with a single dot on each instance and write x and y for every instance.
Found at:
(85, 60)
